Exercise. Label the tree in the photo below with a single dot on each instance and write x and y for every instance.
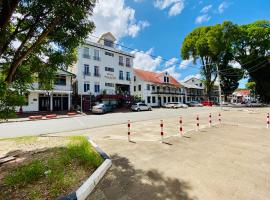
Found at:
(213, 47)
(37, 37)
(44, 31)
(252, 50)
(196, 46)
(251, 85)
(230, 80)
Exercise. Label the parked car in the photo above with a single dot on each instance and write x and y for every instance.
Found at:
(195, 104)
(208, 103)
(254, 104)
(101, 108)
(140, 107)
(180, 105)
(169, 105)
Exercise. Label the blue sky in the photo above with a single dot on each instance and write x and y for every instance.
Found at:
(159, 26)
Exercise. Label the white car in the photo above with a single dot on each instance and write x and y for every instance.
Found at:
(180, 105)
(169, 105)
(140, 107)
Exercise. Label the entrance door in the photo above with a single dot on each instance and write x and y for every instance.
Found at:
(159, 101)
(57, 104)
(65, 103)
(44, 103)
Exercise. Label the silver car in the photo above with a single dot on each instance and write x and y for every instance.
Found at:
(101, 108)
(140, 107)
(180, 105)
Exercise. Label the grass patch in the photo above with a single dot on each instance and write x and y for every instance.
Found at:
(22, 139)
(54, 173)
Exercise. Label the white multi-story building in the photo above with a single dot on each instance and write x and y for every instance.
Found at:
(194, 90)
(157, 89)
(57, 99)
(102, 69)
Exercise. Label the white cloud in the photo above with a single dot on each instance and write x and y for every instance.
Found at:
(198, 76)
(176, 6)
(115, 17)
(176, 9)
(144, 60)
(172, 71)
(202, 18)
(206, 9)
(223, 6)
(170, 62)
(184, 64)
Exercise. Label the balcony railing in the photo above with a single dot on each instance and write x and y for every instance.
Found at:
(167, 92)
(128, 65)
(121, 63)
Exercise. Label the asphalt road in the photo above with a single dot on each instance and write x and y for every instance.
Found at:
(30, 128)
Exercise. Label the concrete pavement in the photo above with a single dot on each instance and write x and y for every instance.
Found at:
(17, 129)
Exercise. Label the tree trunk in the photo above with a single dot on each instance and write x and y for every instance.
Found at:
(8, 7)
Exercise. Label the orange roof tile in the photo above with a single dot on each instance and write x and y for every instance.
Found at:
(155, 77)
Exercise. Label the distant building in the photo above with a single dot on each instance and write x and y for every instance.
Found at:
(196, 91)
(57, 99)
(157, 89)
(102, 69)
(241, 96)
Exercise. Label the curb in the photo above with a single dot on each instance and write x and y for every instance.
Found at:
(87, 187)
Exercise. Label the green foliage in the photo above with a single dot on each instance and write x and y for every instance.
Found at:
(26, 174)
(81, 150)
(252, 87)
(48, 33)
(251, 50)
(9, 99)
(56, 170)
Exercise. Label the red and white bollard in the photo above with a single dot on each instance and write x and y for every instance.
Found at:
(181, 126)
(198, 123)
(267, 122)
(161, 130)
(219, 118)
(129, 130)
(210, 119)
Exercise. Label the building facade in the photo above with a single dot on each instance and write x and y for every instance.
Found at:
(195, 91)
(157, 89)
(102, 69)
(57, 99)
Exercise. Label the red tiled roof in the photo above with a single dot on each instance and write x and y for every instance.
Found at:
(155, 77)
(243, 92)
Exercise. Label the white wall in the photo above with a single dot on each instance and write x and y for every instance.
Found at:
(105, 76)
(144, 93)
(32, 105)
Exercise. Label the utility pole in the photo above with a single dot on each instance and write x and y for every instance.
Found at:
(90, 100)
(219, 87)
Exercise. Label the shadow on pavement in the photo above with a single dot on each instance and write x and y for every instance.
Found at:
(123, 182)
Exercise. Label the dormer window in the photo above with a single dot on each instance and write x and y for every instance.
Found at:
(108, 43)
(166, 79)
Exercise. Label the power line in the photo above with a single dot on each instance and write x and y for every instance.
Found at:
(168, 60)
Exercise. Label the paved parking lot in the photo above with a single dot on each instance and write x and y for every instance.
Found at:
(228, 161)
